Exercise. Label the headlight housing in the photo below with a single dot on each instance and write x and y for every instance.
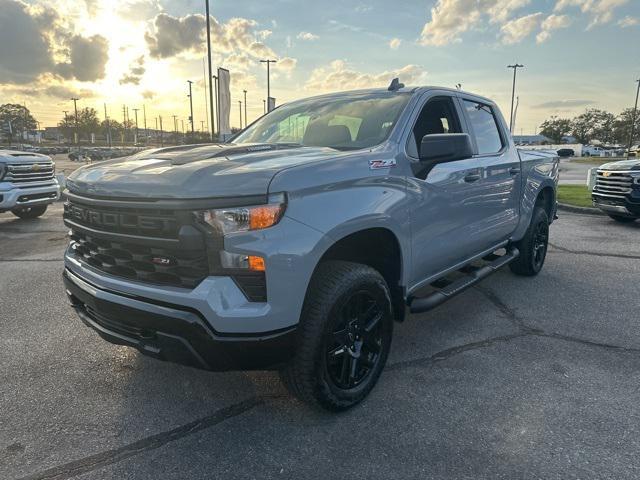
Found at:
(243, 219)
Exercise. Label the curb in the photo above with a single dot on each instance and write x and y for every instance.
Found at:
(582, 210)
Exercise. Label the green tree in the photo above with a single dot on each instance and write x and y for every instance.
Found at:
(594, 124)
(622, 127)
(88, 123)
(15, 119)
(555, 128)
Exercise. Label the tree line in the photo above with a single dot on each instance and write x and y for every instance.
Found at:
(594, 124)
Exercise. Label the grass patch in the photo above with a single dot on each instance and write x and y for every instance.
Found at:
(578, 195)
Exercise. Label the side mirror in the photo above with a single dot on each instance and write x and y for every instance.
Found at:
(447, 147)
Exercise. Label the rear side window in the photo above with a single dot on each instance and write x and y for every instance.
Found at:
(485, 127)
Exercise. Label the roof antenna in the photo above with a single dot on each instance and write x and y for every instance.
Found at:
(395, 85)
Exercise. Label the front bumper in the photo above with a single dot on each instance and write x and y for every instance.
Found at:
(173, 333)
(616, 206)
(12, 196)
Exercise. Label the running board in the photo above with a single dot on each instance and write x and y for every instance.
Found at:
(424, 304)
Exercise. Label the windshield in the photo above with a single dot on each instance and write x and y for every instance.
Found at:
(346, 122)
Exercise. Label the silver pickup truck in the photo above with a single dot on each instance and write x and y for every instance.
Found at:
(297, 245)
(27, 183)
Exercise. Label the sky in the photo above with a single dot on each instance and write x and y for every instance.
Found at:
(577, 54)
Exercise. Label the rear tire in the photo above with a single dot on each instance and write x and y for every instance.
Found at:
(533, 247)
(621, 219)
(344, 336)
(27, 213)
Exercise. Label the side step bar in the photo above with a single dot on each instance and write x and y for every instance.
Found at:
(424, 304)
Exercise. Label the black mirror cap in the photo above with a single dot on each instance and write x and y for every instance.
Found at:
(445, 147)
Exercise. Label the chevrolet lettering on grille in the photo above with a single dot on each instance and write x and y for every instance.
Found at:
(104, 219)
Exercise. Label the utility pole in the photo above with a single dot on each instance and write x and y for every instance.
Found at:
(161, 133)
(264, 107)
(175, 127)
(156, 135)
(268, 62)
(191, 105)
(210, 71)
(135, 112)
(206, 96)
(633, 117)
(144, 116)
(75, 107)
(513, 92)
(240, 105)
(106, 118)
(245, 108)
(202, 126)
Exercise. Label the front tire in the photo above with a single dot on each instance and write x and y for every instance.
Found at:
(622, 219)
(344, 336)
(27, 213)
(533, 247)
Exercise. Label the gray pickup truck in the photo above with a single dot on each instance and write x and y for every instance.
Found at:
(27, 183)
(298, 244)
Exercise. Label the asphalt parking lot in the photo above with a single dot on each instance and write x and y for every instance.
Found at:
(518, 378)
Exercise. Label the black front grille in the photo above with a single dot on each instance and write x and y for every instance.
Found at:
(175, 267)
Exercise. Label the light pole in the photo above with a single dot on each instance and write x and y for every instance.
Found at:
(210, 71)
(191, 105)
(144, 116)
(240, 106)
(264, 107)
(633, 117)
(75, 107)
(268, 62)
(245, 108)
(513, 92)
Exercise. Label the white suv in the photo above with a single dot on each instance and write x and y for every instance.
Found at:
(27, 183)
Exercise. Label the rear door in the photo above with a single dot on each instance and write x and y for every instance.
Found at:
(497, 200)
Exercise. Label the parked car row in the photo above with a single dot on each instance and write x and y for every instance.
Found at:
(101, 153)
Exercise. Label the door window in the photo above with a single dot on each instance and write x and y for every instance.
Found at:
(438, 116)
(485, 127)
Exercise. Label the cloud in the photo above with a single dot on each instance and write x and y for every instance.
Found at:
(136, 72)
(363, 8)
(170, 36)
(287, 64)
(88, 58)
(308, 36)
(37, 41)
(26, 48)
(148, 94)
(517, 30)
(629, 21)
(552, 22)
(564, 104)
(451, 18)
(138, 10)
(340, 76)
(394, 44)
(600, 11)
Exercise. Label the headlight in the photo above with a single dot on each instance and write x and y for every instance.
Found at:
(3, 170)
(243, 219)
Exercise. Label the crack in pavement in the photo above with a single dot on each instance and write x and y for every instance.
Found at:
(108, 457)
(595, 254)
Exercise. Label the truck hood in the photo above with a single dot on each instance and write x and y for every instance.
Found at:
(193, 171)
(633, 164)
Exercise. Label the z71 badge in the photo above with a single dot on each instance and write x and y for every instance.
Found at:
(378, 164)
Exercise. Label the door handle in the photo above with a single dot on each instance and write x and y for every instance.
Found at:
(472, 177)
(514, 171)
